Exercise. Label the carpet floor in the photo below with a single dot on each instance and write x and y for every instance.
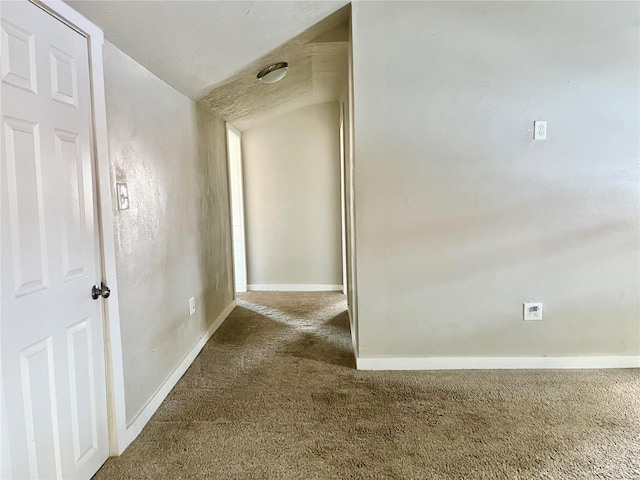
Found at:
(274, 395)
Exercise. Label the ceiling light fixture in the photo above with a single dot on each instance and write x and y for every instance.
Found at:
(273, 73)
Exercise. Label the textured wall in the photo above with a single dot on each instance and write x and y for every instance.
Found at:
(174, 241)
(461, 216)
(292, 198)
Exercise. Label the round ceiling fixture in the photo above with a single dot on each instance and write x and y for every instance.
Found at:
(273, 73)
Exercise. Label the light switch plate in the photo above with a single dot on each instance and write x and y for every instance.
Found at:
(122, 193)
(540, 130)
(192, 306)
(532, 311)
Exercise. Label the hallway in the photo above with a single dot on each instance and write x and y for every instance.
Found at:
(274, 394)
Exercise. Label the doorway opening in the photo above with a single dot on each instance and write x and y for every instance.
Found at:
(293, 201)
(290, 166)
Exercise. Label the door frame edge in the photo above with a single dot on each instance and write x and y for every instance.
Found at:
(114, 374)
(230, 128)
(227, 127)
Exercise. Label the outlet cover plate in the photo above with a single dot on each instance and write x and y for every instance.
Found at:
(122, 193)
(540, 130)
(192, 306)
(532, 311)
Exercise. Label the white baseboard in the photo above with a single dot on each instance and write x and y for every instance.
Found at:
(294, 288)
(497, 363)
(147, 412)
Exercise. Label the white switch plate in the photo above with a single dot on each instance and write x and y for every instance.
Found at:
(122, 193)
(192, 306)
(540, 130)
(532, 311)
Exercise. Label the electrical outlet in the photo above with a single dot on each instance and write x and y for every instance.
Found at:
(532, 311)
(192, 306)
(540, 130)
(122, 193)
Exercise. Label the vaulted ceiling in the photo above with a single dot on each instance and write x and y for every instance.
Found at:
(209, 50)
(317, 72)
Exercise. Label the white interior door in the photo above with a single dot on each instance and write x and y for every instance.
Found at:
(53, 370)
(234, 149)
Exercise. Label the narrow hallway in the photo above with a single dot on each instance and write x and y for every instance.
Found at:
(274, 395)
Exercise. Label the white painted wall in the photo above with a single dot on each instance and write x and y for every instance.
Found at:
(292, 199)
(174, 242)
(461, 216)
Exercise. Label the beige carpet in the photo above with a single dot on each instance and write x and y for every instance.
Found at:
(274, 395)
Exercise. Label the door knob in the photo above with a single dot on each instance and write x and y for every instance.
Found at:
(100, 291)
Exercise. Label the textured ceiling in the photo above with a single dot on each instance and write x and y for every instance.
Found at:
(196, 45)
(317, 72)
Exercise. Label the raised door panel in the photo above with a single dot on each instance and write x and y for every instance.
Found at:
(64, 77)
(82, 390)
(73, 221)
(25, 202)
(40, 409)
(18, 57)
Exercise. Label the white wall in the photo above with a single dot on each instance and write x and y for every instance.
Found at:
(292, 198)
(174, 241)
(461, 216)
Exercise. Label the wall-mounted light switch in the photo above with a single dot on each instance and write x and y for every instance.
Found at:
(122, 192)
(540, 130)
(192, 306)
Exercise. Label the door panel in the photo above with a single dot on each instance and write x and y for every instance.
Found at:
(69, 158)
(40, 411)
(64, 77)
(26, 211)
(18, 57)
(53, 370)
(82, 390)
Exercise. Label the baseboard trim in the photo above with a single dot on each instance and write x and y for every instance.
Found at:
(497, 363)
(147, 412)
(294, 288)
